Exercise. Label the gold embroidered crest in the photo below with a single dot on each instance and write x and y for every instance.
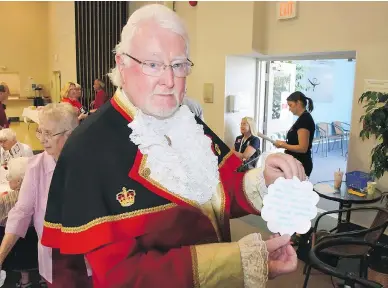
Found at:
(126, 197)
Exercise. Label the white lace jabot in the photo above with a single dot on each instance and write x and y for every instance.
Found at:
(179, 154)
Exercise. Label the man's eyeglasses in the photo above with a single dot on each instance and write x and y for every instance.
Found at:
(181, 69)
(47, 135)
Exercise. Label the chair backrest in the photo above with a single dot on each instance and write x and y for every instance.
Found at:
(380, 219)
(321, 133)
(338, 130)
(323, 129)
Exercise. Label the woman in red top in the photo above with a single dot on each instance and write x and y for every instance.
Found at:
(100, 97)
(70, 93)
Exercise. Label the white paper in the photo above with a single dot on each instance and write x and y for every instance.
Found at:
(3, 275)
(265, 137)
(289, 206)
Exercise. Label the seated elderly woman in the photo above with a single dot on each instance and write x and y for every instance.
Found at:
(11, 148)
(56, 122)
(24, 256)
(71, 93)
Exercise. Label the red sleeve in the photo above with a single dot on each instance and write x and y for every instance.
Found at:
(101, 98)
(128, 264)
(233, 183)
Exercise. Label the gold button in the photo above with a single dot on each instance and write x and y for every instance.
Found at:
(146, 172)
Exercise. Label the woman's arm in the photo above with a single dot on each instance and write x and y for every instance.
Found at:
(303, 140)
(249, 151)
(252, 147)
(9, 240)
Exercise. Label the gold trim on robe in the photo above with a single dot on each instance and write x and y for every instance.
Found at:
(123, 102)
(218, 206)
(218, 266)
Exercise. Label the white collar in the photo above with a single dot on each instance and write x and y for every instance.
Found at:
(188, 168)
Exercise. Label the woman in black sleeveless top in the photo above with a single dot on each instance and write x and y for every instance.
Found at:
(300, 136)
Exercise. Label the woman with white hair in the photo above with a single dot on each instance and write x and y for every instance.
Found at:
(24, 256)
(11, 148)
(56, 122)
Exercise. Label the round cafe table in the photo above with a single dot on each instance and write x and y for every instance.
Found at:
(345, 199)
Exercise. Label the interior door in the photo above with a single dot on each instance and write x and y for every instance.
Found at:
(56, 86)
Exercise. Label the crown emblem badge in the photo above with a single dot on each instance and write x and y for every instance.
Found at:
(126, 197)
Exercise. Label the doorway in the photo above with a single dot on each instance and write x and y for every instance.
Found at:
(56, 86)
(330, 84)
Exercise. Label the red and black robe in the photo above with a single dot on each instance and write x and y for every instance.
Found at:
(134, 232)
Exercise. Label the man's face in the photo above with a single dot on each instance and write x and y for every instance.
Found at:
(96, 85)
(3, 96)
(159, 96)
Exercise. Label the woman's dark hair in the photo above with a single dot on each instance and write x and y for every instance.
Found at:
(297, 95)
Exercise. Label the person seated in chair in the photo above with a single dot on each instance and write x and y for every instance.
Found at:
(247, 145)
(24, 256)
(11, 147)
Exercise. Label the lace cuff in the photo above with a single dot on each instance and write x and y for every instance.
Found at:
(255, 188)
(254, 258)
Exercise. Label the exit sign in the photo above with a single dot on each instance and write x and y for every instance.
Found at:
(286, 10)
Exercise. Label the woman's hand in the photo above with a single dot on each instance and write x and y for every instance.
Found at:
(280, 144)
(82, 116)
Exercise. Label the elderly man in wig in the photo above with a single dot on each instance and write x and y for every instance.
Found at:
(153, 209)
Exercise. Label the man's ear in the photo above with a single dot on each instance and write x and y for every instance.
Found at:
(119, 62)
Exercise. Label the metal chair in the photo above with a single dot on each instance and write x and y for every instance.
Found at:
(320, 138)
(341, 131)
(350, 278)
(370, 235)
(328, 136)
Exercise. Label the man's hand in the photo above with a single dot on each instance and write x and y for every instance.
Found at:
(282, 257)
(282, 165)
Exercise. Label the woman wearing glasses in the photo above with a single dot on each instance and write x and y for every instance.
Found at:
(56, 122)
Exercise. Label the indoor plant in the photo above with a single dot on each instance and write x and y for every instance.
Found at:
(375, 122)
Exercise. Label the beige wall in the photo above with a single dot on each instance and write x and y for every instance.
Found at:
(61, 41)
(34, 33)
(338, 26)
(217, 29)
(23, 47)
